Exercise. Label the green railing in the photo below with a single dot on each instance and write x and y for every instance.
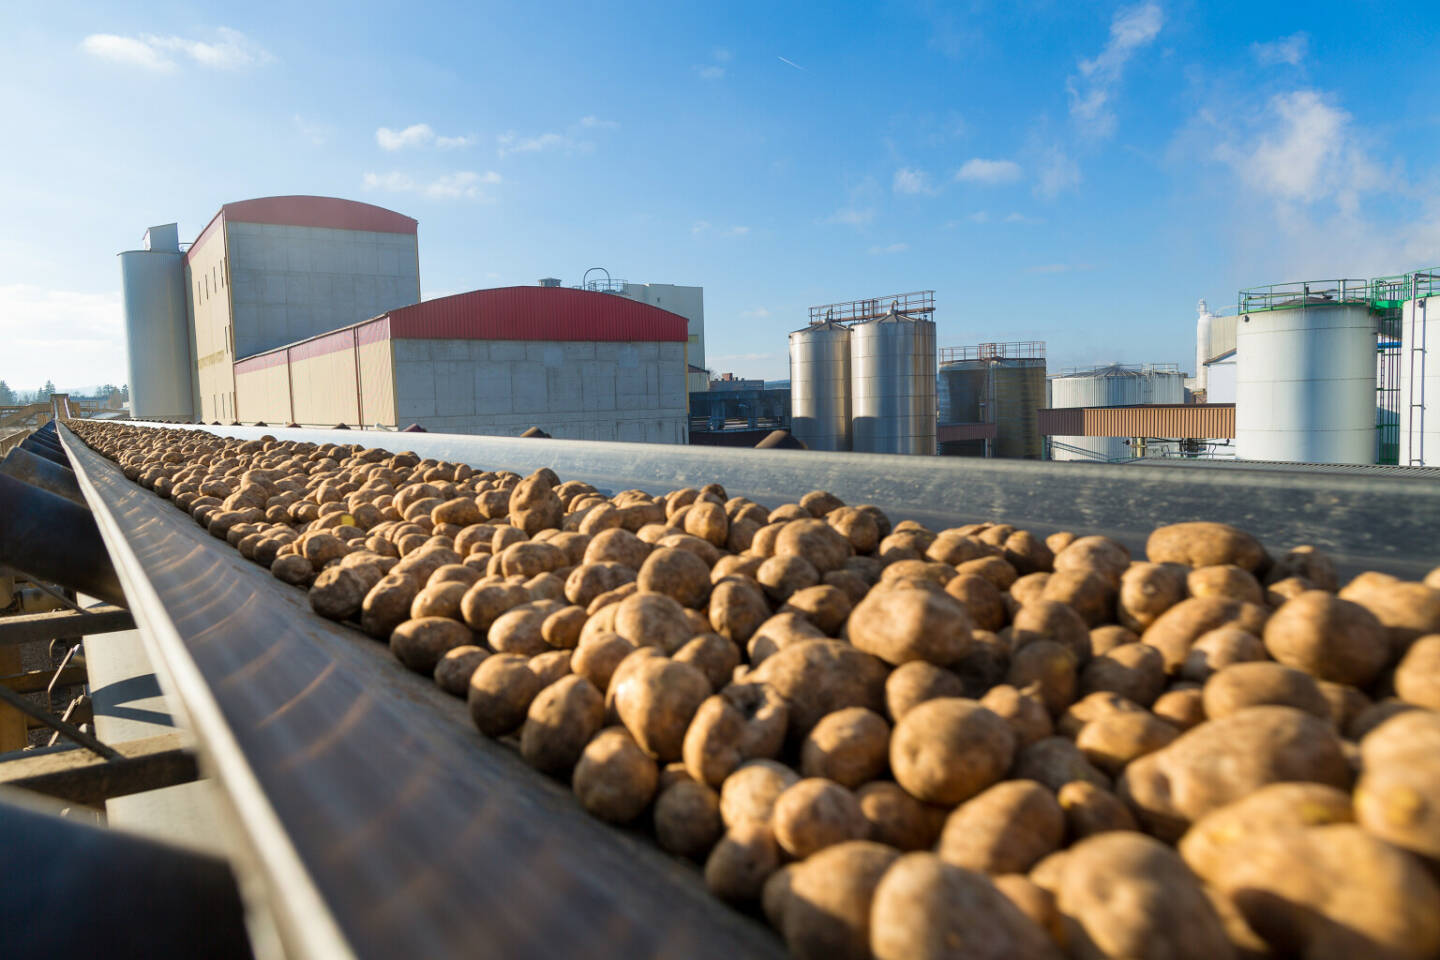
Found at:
(1303, 293)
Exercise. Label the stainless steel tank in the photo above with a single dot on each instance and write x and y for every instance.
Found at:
(820, 386)
(157, 333)
(892, 377)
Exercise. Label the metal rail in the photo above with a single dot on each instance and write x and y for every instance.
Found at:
(375, 821)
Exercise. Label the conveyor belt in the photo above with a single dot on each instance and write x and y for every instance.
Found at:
(378, 821)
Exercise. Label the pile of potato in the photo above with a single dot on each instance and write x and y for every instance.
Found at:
(893, 741)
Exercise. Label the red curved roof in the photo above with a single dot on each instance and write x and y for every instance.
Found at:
(331, 212)
(537, 313)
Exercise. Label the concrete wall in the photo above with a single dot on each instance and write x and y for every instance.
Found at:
(291, 283)
(576, 390)
(208, 291)
(689, 302)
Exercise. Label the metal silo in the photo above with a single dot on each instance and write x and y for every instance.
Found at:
(157, 328)
(1115, 385)
(1420, 381)
(892, 376)
(1305, 377)
(993, 383)
(820, 385)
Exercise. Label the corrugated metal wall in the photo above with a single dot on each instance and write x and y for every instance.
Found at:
(377, 382)
(262, 393)
(324, 388)
(538, 313)
(1201, 421)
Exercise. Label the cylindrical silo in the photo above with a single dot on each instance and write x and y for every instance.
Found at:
(1115, 385)
(1305, 384)
(1203, 322)
(1420, 389)
(157, 335)
(892, 378)
(820, 386)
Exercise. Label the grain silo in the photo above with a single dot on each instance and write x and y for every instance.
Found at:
(892, 377)
(820, 385)
(1114, 385)
(1305, 374)
(1419, 375)
(989, 397)
(157, 328)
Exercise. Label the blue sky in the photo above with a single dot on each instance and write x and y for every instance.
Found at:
(1079, 173)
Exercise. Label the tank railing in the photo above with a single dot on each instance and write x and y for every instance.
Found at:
(1276, 296)
(1136, 368)
(602, 286)
(1014, 350)
(872, 308)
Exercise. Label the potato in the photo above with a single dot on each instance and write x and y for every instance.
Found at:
(1417, 678)
(949, 749)
(903, 625)
(1028, 589)
(1329, 638)
(1054, 621)
(1112, 741)
(1056, 761)
(1024, 711)
(419, 644)
(1406, 610)
(898, 819)
(744, 721)
(653, 620)
(530, 557)
(560, 722)
(676, 573)
(1027, 553)
(1225, 580)
(614, 779)
(453, 672)
(1177, 629)
(1090, 809)
(1051, 667)
(551, 666)
(597, 656)
(501, 690)
(1308, 563)
(439, 600)
(518, 630)
(706, 520)
(1090, 707)
(1396, 797)
(484, 603)
(816, 813)
(781, 576)
(826, 909)
(1146, 591)
(1128, 895)
(1226, 832)
(687, 819)
(656, 701)
(1219, 649)
(712, 655)
(591, 580)
(1034, 902)
(915, 682)
(816, 677)
(1201, 544)
(816, 541)
(981, 599)
(1253, 684)
(825, 606)
(737, 608)
(985, 664)
(1374, 715)
(857, 526)
(338, 592)
(775, 895)
(1223, 760)
(926, 909)
(779, 632)
(849, 746)
(1090, 593)
(741, 862)
(534, 505)
(750, 792)
(1004, 829)
(1133, 670)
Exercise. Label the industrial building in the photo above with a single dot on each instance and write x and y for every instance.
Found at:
(989, 397)
(307, 310)
(862, 376)
(1112, 385)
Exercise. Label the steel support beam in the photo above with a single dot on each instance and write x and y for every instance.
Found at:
(79, 776)
(53, 539)
(30, 627)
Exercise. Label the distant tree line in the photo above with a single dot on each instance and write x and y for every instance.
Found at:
(107, 393)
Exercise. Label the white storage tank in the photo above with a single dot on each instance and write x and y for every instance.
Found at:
(1305, 383)
(892, 379)
(1420, 390)
(820, 386)
(157, 328)
(1114, 385)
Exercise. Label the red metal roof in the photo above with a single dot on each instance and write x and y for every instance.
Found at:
(304, 211)
(537, 313)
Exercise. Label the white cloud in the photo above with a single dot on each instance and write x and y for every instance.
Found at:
(593, 122)
(1016, 217)
(737, 231)
(710, 71)
(317, 133)
(60, 335)
(722, 55)
(460, 185)
(571, 140)
(980, 170)
(1058, 173)
(229, 50)
(415, 135)
(851, 216)
(979, 216)
(699, 227)
(1090, 92)
(755, 313)
(892, 248)
(453, 143)
(910, 181)
(1291, 50)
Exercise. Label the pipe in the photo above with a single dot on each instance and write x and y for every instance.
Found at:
(50, 538)
(37, 471)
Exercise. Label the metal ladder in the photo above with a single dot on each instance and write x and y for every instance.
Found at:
(1415, 451)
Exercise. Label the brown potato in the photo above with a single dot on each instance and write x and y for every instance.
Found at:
(1219, 649)
(1090, 593)
(1115, 739)
(825, 913)
(1406, 610)
(949, 749)
(849, 746)
(1146, 591)
(518, 630)
(1201, 544)
(551, 666)
(1090, 810)
(857, 526)
(1245, 685)
(1417, 678)
(653, 620)
(1028, 589)
(816, 813)
(1223, 760)
(780, 576)
(614, 779)
(419, 644)
(816, 677)
(778, 632)
(903, 625)
(1307, 563)
(898, 819)
(1051, 667)
(687, 819)
(338, 592)
(737, 608)
(1056, 761)
(676, 573)
(597, 656)
(915, 682)
(741, 862)
(1396, 797)
(561, 629)
(656, 701)
(1182, 707)
(926, 909)
(1004, 829)
(1329, 638)
(816, 541)
(484, 603)
(744, 721)
(712, 655)
(1054, 621)
(440, 600)
(1098, 554)
(825, 606)
(1027, 553)
(1091, 707)
(982, 600)
(560, 722)
(1374, 715)
(1177, 629)
(750, 792)
(453, 672)
(294, 570)
(1023, 710)
(1134, 671)
(1225, 833)
(501, 690)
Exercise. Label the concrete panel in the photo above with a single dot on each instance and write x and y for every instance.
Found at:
(597, 383)
(528, 387)
(479, 349)
(507, 350)
(564, 390)
(454, 388)
(414, 389)
(492, 387)
(579, 351)
(554, 355)
(632, 431)
(607, 351)
(407, 351)
(627, 356)
(672, 352)
(449, 350)
(648, 350)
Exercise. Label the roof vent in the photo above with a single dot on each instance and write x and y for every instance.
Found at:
(549, 281)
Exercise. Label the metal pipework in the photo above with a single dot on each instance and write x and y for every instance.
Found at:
(51, 538)
(46, 474)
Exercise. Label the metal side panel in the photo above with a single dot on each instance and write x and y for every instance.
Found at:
(1365, 522)
(379, 823)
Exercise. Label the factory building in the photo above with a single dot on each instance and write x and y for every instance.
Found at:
(687, 301)
(578, 364)
(1112, 385)
(990, 396)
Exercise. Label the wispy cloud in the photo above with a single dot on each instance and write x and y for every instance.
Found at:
(1291, 50)
(791, 63)
(228, 50)
(512, 142)
(979, 216)
(755, 313)
(1057, 174)
(715, 69)
(318, 134)
(572, 140)
(737, 231)
(891, 248)
(593, 122)
(1090, 92)
(912, 182)
(980, 170)
(851, 216)
(418, 135)
(699, 227)
(1016, 217)
(460, 185)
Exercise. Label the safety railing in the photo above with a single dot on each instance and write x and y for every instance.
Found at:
(1301, 293)
(1014, 350)
(872, 308)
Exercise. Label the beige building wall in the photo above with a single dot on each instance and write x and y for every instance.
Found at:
(324, 388)
(264, 395)
(206, 276)
(377, 383)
